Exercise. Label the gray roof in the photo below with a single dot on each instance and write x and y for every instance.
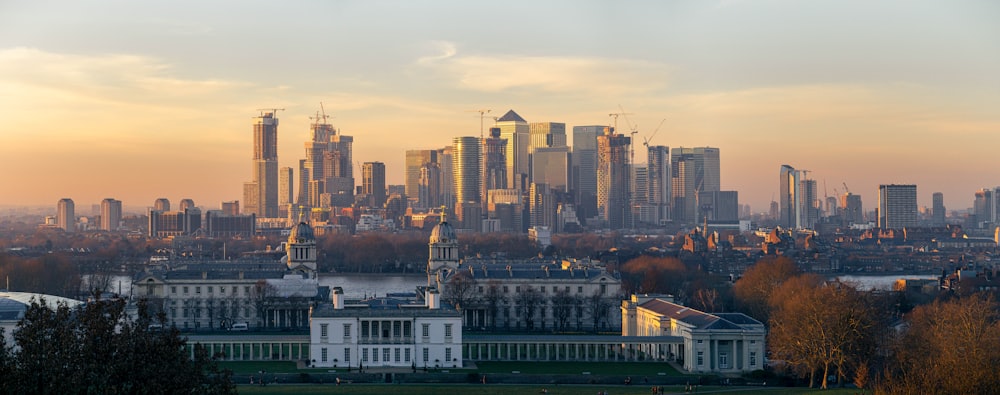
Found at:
(14, 304)
(511, 116)
(530, 271)
(698, 319)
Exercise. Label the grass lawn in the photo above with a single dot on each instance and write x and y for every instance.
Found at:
(602, 368)
(247, 367)
(462, 389)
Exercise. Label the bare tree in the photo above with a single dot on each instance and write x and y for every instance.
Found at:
(460, 291)
(528, 301)
(493, 300)
(598, 307)
(261, 296)
(753, 291)
(562, 308)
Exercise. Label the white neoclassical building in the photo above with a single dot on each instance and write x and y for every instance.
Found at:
(385, 332)
(716, 343)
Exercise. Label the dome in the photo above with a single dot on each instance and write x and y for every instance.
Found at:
(443, 233)
(301, 233)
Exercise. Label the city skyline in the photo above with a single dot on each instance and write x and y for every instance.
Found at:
(140, 101)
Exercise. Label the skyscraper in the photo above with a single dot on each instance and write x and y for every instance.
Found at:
(938, 207)
(373, 183)
(516, 131)
(789, 197)
(897, 206)
(585, 169)
(111, 214)
(66, 215)
(613, 179)
(658, 171)
(692, 170)
(415, 161)
(494, 162)
(260, 195)
(853, 212)
(546, 134)
(186, 204)
(551, 166)
(285, 187)
(161, 204)
(542, 211)
(467, 182)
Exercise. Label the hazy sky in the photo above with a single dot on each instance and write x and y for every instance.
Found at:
(140, 100)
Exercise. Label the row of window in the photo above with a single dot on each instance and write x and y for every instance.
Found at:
(724, 359)
(370, 329)
(234, 290)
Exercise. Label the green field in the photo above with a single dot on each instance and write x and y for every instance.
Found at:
(462, 389)
(618, 368)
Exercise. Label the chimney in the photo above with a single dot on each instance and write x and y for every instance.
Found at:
(433, 298)
(337, 295)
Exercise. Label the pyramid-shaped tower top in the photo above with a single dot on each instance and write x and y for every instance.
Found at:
(511, 116)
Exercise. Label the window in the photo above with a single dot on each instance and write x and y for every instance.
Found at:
(753, 358)
(425, 330)
(517, 289)
(723, 360)
(364, 355)
(699, 341)
(396, 355)
(246, 290)
(222, 290)
(505, 290)
(347, 355)
(323, 331)
(197, 290)
(173, 289)
(364, 329)
(480, 289)
(542, 288)
(322, 353)
(347, 332)
(604, 289)
(397, 329)
(753, 342)
(406, 355)
(375, 354)
(407, 329)
(210, 289)
(427, 355)
(185, 289)
(385, 355)
(447, 330)
(701, 358)
(447, 354)
(579, 289)
(234, 290)
(173, 312)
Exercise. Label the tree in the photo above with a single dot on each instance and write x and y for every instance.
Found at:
(261, 296)
(563, 305)
(753, 291)
(97, 348)
(528, 302)
(460, 291)
(493, 299)
(598, 306)
(950, 347)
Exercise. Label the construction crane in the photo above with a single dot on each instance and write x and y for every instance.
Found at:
(321, 117)
(846, 189)
(632, 131)
(645, 140)
(482, 115)
(264, 111)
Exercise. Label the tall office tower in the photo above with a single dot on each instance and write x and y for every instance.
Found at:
(810, 203)
(790, 197)
(303, 188)
(161, 204)
(774, 212)
(111, 214)
(285, 187)
(317, 148)
(692, 170)
(658, 184)
(66, 215)
(494, 162)
(613, 179)
(546, 134)
(516, 131)
(186, 204)
(551, 166)
(231, 208)
(852, 210)
(720, 206)
(506, 206)
(429, 185)
(466, 169)
(542, 205)
(446, 158)
(260, 195)
(373, 183)
(639, 184)
(897, 206)
(938, 206)
(415, 162)
(316, 189)
(341, 182)
(585, 169)
(831, 206)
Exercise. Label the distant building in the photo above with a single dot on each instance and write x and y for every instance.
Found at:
(517, 132)
(584, 173)
(938, 210)
(161, 204)
(693, 170)
(66, 215)
(897, 206)
(373, 183)
(260, 195)
(111, 214)
(613, 176)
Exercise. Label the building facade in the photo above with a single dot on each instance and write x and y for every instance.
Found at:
(613, 176)
(66, 215)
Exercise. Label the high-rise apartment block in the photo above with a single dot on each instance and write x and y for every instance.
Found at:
(693, 170)
(286, 187)
(111, 214)
(467, 173)
(613, 174)
(938, 213)
(260, 195)
(659, 181)
(326, 175)
(852, 211)
(66, 215)
(897, 206)
(416, 161)
(373, 183)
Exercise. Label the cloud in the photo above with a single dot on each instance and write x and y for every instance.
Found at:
(546, 74)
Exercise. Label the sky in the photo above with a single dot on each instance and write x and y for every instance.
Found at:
(141, 100)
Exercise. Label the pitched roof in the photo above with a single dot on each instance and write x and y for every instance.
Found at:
(511, 116)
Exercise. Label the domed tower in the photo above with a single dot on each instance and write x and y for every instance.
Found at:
(301, 249)
(443, 248)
